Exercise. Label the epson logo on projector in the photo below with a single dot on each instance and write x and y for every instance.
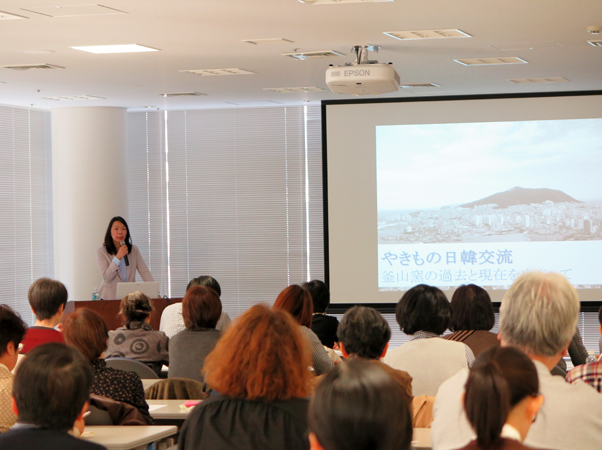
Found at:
(357, 73)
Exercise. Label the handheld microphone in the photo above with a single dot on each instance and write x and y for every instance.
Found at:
(125, 258)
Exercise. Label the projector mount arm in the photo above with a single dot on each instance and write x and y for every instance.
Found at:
(361, 53)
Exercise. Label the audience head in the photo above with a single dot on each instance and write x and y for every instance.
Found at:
(423, 308)
(51, 386)
(86, 331)
(262, 355)
(135, 307)
(471, 309)
(12, 330)
(47, 298)
(320, 294)
(205, 280)
(297, 302)
(201, 308)
(358, 406)
(364, 332)
(109, 242)
(502, 387)
(539, 314)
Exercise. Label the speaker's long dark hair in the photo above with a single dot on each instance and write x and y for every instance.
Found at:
(500, 378)
(109, 244)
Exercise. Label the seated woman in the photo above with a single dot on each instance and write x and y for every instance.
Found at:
(201, 309)
(357, 405)
(136, 339)
(86, 331)
(260, 369)
(423, 312)
(298, 303)
(471, 319)
(501, 399)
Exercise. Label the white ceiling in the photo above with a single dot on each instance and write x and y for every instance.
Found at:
(207, 34)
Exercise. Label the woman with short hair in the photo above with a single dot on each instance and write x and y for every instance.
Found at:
(260, 369)
(86, 331)
(201, 310)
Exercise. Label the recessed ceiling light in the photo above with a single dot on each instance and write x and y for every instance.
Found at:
(490, 61)
(330, 2)
(32, 66)
(214, 72)
(290, 90)
(9, 16)
(182, 94)
(427, 34)
(126, 48)
(595, 43)
(538, 80)
(74, 10)
(301, 56)
(74, 97)
(268, 41)
(418, 85)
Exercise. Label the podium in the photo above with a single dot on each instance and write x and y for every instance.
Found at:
(109, 310)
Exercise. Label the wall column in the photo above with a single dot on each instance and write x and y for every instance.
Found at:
(89, 187)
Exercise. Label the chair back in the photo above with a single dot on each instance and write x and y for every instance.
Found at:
(132, 365)
(177, 389)
(422, 411)
(98, 417)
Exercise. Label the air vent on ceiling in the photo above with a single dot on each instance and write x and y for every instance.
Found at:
(289, 90)
(418, 85)
(32, 66)
(427, 34)
(182, 94)
(214, 72)
(330, 2)
(74, 97)
(538, 80)
(9, 16)
(313, 54)
(268, 41)
(490, 61)
(595, 43)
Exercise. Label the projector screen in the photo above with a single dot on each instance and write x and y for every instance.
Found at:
(451, 191)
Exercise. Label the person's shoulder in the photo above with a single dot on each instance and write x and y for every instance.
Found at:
(20, 438)
(171, 309)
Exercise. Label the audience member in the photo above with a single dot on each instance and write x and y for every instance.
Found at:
(538, 315)
(86, 331)
(364, 333)
(423, 313)
(298, 303)
(358, 406)
(260, 369)
(589, 373)
(577, 353)
(201, 309)
(47, 299)
(472, 319)
(172, 321)
(322, 324)
(502, 399)
(136, 339)
(12, 330)
(50, 393)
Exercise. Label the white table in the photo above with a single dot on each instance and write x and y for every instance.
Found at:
(170, 409)
(127, 438)
(421, 438)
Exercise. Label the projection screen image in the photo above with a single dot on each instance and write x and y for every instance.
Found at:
(484, 202)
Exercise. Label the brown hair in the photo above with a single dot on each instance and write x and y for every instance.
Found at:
(46, 297)
(298, 303)
(500, 378)
(135, 307)
(262, 355)
(201, 308)
(86, 331)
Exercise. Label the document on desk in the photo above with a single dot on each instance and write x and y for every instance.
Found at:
(152, 408)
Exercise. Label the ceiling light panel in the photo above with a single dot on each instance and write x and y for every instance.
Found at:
(268, 41)
(538, 80)
(427, 34)
(9, 16)
(74, 97)
(595, 43)
(125, 48)
(32, 66)
(490, 61)
(331, 2)
(291, 90)
(74, 10)
(418, 85)
(182, 94)
(301, 56)
(215, 72)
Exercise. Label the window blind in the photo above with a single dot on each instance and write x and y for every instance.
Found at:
(26, 228)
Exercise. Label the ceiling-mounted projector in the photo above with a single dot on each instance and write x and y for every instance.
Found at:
(364, 77)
